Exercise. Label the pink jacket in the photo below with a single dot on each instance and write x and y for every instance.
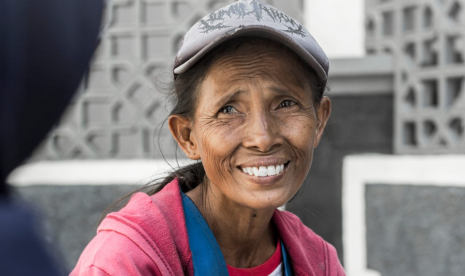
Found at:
(149, 237)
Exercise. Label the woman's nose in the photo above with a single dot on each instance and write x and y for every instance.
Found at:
(262, 133)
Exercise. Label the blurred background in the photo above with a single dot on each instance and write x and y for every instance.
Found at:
(387, 186)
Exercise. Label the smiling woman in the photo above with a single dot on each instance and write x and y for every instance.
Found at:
(249, 105)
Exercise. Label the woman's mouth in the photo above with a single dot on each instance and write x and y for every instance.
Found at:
(264, 171)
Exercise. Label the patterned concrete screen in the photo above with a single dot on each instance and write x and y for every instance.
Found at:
(426, 38)
(118, 109)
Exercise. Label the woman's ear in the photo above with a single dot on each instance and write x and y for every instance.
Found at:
(324, 111)
(181, 129)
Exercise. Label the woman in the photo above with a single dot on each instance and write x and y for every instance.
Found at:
(249, 105)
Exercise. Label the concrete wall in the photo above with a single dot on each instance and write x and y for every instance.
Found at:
(405, 220)
(425, 38)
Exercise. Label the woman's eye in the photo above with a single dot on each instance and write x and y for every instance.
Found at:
(286, 103)
(228, 110)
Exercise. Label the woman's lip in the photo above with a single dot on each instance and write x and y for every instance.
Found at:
(264, 162)
(265, 180)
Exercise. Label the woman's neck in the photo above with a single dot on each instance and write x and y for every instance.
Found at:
(246, 237)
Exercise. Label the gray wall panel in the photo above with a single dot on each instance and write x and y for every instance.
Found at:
(415, 230)
(70, 215)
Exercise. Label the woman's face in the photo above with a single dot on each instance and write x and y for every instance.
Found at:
(256, 125)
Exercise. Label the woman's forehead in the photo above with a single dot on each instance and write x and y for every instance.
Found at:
(257, 60)
(269, 71)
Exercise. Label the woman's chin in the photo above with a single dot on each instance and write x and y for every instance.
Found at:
(264, 201)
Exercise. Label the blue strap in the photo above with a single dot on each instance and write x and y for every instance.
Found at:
(286, 261)
(206, 253)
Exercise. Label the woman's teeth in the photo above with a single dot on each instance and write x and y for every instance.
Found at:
(264, 170)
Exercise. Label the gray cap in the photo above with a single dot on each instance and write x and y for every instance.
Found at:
(249, 18)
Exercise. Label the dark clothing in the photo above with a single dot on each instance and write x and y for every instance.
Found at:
(45, 48)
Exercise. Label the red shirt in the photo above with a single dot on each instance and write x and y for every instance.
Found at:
(264, 269)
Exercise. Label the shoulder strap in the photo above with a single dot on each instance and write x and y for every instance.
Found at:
(206, 253)
(286, 261)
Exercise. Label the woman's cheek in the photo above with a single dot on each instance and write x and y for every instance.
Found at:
(299, 129)
(219, 141)
(222, 134)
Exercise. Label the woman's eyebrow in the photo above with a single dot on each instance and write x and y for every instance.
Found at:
(285, 91)
(278, 90)
(228, 97)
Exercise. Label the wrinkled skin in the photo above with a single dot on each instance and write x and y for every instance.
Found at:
(255, 108)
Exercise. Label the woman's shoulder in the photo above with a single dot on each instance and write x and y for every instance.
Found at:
(308, 251)
(149, 231)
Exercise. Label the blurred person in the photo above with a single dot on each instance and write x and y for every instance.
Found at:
(45, 48)
(249, 106)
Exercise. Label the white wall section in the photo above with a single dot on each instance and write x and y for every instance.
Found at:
(360, 170)
(337, 25)
(95, 172)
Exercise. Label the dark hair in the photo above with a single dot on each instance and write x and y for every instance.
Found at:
(184, 94)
